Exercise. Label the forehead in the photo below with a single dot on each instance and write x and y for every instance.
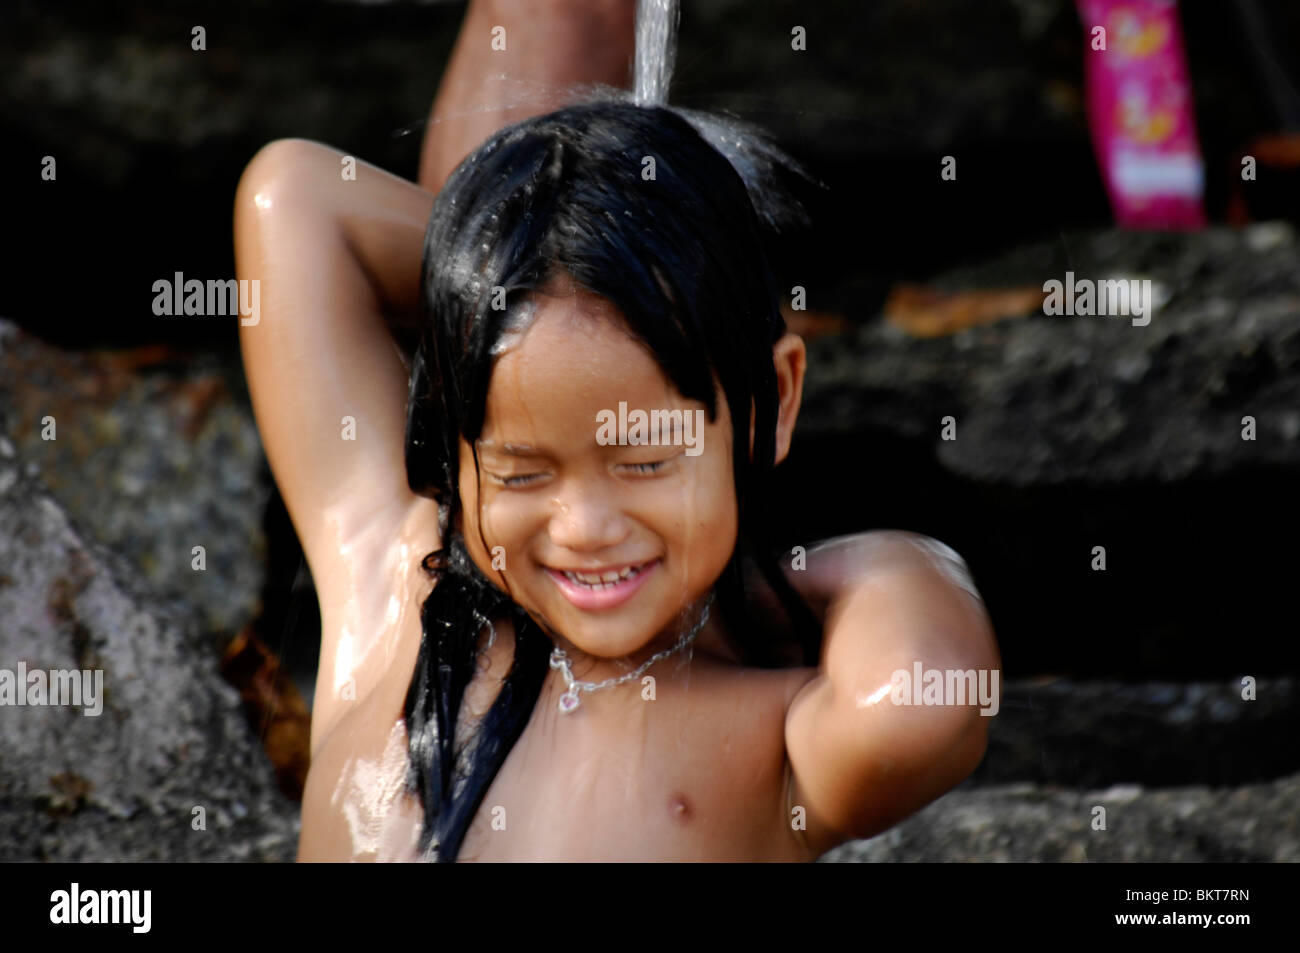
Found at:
(575, 349)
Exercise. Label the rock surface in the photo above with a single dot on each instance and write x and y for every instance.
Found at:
(153, 456)
(169, 770)
(1093, 399)
(1091, 734)
(1028, 823)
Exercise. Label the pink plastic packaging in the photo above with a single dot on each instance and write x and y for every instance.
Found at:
(1140, 110)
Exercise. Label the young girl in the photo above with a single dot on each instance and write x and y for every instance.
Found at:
(599, 659)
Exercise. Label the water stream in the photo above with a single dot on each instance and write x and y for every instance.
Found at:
(656, 48)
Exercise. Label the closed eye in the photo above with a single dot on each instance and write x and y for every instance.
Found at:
(515, 482)
(647, 468)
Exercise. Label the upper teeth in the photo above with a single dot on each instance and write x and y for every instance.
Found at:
(592, 579)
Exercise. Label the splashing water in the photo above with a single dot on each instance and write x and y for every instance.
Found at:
(656, 49)
(753, 154)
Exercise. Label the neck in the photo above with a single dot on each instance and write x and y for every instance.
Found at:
(685, 641)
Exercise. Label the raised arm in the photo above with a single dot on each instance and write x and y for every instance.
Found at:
(337, 259)
(548, 45)
(864, 754)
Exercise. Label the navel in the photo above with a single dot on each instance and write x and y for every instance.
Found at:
(679, 807)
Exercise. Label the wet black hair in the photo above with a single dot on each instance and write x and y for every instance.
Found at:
(681, 256)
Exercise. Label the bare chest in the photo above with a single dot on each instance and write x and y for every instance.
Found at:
(701, 778)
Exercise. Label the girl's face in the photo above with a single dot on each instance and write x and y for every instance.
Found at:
(560, 495)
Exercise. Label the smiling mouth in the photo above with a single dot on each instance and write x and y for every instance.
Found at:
(609, 579)
(605, 588)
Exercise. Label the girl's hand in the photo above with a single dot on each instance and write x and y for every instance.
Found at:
(866, 747)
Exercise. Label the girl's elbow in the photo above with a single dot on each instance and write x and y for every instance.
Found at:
(275, 177)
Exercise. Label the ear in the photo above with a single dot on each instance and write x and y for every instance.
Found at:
(791, 361)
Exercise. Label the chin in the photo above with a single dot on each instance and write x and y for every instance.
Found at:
(597, 637)
(606, 636)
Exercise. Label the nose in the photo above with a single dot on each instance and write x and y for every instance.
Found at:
(586, 518)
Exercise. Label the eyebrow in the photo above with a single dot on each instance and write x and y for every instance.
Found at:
(670, 432)
(512, 449)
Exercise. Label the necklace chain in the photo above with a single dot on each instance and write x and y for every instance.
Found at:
(560, 660)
